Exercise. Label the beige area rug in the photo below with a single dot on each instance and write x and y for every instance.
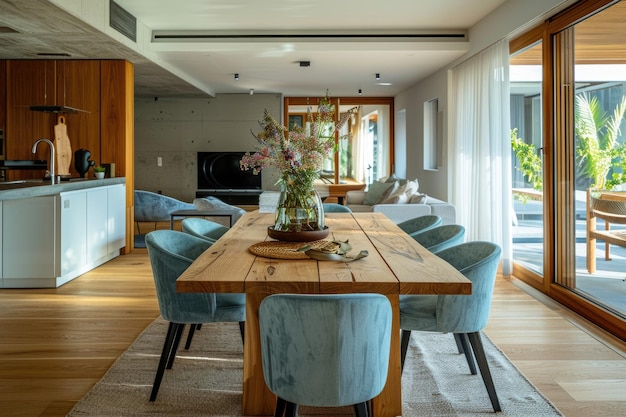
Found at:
(206, 380)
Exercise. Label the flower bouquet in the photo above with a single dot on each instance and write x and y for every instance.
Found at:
(298, 155)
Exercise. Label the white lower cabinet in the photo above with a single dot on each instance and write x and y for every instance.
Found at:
(116, 222)
(73, 230)
(97, 215)
(50, 240)
(29, 240)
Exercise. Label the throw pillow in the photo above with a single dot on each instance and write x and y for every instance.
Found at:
(402, 194)
(213, 203)
(391, 190)
(394, 178)
(418, 198)
(375, 191)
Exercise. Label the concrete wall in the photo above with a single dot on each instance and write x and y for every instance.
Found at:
(175, 129)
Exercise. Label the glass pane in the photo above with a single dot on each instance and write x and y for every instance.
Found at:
(527, 170)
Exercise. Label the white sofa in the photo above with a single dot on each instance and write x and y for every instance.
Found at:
(401, 212)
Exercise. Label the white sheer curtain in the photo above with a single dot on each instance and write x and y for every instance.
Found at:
(480, 148)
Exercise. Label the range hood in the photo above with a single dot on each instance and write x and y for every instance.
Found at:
(57, 109)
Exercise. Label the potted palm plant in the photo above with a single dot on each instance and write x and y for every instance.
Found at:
(598, 152)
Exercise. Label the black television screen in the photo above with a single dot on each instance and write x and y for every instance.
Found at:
(221, 170)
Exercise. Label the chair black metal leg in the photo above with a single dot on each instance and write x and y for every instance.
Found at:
(179, 333)
(291, 409)
(360, 410)
(457, 339)
(242, 329)
(469, 356)
(481, 358)
(192, 329)
(404, 345)
(280, 407)
(167, 347)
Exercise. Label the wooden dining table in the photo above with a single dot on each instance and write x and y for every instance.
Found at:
(396, 264)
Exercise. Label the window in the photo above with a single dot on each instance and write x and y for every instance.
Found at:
(431, 149)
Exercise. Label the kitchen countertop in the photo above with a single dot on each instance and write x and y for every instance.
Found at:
(12, 190)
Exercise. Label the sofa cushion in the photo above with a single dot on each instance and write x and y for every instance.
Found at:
(394, 178)
(213, 203)
(402, 194)
(418, 198)
(378, 191)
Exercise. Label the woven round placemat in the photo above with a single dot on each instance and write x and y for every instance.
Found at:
(284, 250)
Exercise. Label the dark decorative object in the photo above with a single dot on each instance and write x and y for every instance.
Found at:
(82, 161)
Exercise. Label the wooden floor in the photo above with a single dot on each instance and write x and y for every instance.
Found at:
(57, 343)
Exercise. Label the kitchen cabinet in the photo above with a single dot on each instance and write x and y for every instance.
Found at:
(96, 225)
(103, 88)
(29, 239)
(51, 239)
(74, 83)
(73, 232)
(116, 222)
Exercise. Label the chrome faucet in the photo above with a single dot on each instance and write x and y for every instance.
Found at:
(52, 173)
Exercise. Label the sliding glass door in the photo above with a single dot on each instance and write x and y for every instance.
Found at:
(569, 173)
(592, 72)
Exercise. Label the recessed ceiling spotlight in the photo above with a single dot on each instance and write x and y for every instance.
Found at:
(377, 76)
(236, 77)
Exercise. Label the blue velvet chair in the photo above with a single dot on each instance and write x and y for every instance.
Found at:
(463, 315)
(336, 208)
(154, 207)
(440, 237)
(203, 228)
(170, 253)
(420, 224)
(325, 350)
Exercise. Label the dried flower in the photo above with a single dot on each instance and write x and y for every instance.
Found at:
(304, 148)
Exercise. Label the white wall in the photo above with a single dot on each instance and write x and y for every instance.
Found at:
(433, 183)
(175, 129)
(509, 20)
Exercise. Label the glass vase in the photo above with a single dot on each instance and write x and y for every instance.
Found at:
(299, 207)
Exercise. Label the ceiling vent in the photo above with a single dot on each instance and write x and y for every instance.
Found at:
(307, 36)
(122, 21)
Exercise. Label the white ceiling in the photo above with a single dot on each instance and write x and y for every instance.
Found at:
(342, 59)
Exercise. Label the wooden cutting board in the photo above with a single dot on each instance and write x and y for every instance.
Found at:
(63, 147)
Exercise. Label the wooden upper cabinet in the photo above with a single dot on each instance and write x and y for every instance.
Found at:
(78, 86)
(73, 83)
(28, 83)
